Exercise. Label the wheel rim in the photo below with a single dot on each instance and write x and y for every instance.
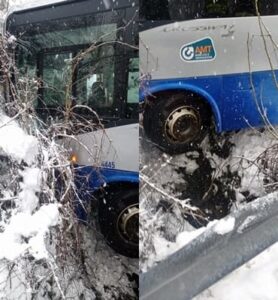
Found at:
(183, 125)
(128, 224)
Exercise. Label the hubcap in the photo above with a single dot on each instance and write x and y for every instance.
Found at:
(128, 224)
(182, 125)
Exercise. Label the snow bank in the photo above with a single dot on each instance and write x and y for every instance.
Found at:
(29, 222)
(15, 142)
(224, 226)
(26, 232)
(27, 198)
(248, 146)
(255, 280)
(164, 248)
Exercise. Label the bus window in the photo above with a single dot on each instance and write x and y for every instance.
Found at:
(182, 10)
(49, 55)
(95, 81)
(154, 10)
(75, 36)
(131, 111)
(171, 10)
(132, 93)
(56, 74)
(245, 8)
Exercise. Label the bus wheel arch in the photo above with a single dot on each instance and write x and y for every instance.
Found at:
(118, 217)
(183, 118)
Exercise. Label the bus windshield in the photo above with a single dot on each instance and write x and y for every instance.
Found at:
(99, 78)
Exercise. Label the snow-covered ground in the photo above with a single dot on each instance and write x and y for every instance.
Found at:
(28, 224)
(237, 170)
(257, 279)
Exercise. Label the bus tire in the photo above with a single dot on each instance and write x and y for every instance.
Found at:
(118, 216)
(178, 123)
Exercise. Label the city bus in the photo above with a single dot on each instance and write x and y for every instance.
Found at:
(100, 87)
(207, 63)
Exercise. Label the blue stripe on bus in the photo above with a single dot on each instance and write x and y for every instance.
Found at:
(89, 179)
(94, 178)
(230, 96)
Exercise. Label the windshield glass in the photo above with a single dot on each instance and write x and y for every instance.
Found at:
(79, 57)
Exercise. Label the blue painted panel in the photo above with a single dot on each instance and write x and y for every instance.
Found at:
(89, 179)
(94, 178)
(244, 105)
(234, 103)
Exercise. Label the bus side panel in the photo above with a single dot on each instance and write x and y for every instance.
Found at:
(236, 92)
(92, 179)
(111, 148)
(244, 57)
(266, 96)
(249, 99)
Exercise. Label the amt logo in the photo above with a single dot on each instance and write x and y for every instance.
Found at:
(203, 49)
(188, 53)
(200, 50)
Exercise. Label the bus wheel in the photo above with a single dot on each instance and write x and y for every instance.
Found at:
(177, 123)
(119, 220)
